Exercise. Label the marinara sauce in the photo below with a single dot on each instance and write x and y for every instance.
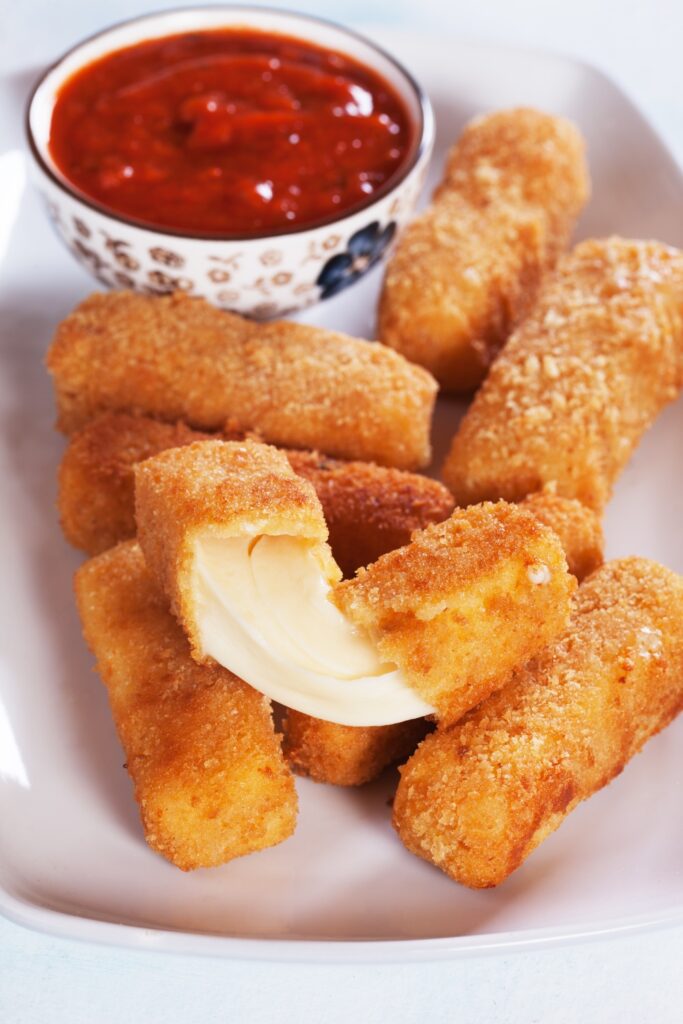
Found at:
(231, 132)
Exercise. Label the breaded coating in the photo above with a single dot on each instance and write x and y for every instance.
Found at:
(467, 270)
(579, 382)
(578, 527)
(205, 761)
(347, 755)
(96, 484)
(477, 799)
(174, 358)
(224, 486)
(464, 603)
(369, 509)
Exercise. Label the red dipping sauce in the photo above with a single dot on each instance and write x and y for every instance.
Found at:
(231, 132)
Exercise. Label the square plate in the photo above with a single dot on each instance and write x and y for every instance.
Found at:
(72, 856)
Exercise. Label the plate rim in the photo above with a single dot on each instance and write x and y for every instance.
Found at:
(31, 914)
(99, 931)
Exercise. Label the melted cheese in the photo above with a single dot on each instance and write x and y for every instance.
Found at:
(264, 612)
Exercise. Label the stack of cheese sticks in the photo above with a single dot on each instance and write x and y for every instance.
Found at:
(260, 534)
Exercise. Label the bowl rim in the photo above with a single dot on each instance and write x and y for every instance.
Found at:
(424, 127)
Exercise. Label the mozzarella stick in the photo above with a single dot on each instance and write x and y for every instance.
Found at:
(467, 270)
(347, 755)
(578, 528)
(217, 490)
(231, 533)
(464, 603)
(174, 358)
(369, 509)
(579, 382)
(206, 764)
(477, 799)
(96, 482)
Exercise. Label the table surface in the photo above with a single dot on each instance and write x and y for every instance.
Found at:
(630, 979)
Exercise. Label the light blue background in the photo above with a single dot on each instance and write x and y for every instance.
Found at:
(634, 980)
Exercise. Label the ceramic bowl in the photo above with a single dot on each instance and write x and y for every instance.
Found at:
(260, 277)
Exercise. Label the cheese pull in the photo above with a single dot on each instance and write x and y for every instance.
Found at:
(239, 543)
(264, 604)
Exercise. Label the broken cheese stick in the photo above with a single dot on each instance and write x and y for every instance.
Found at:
(464, 603)
(477, 799)
(238, 543)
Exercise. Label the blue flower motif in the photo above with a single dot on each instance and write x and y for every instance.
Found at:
(364, 248)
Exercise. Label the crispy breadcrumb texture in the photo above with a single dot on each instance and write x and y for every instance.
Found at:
(578, 527)
(369, 509)
(477, 799)
(347, 755)
(200, 746)
(96, 498)
(580, 380)
(230, 488)
(466, 271)
(465, 603)
(173, 357)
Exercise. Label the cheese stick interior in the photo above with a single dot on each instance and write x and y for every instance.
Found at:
(201, 750)
(467, 270)
(177, 358)
(369, 510)
(239, 543)
(580, 380)
(477, 799)
(231, 534)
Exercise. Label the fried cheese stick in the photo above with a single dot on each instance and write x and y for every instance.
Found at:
(347, 755)
(174, 358)
(477, 799)
(205, 761)
(466, 271)
(350, 755)
(455, 610)
(369, 509)
(579, 381)
(464, 603)
(578, 528)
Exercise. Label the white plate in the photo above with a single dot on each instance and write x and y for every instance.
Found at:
(72, 857)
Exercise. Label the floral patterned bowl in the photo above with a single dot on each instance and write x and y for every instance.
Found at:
(261, 277)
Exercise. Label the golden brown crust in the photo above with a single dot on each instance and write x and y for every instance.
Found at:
(346, 755)
(227, 486)
(96, 497)
(464, 603)
(467, 270)
(369, 509)
(200, 747)
(578, 383)
(178, 358)
(578, 527)
(476, 799)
